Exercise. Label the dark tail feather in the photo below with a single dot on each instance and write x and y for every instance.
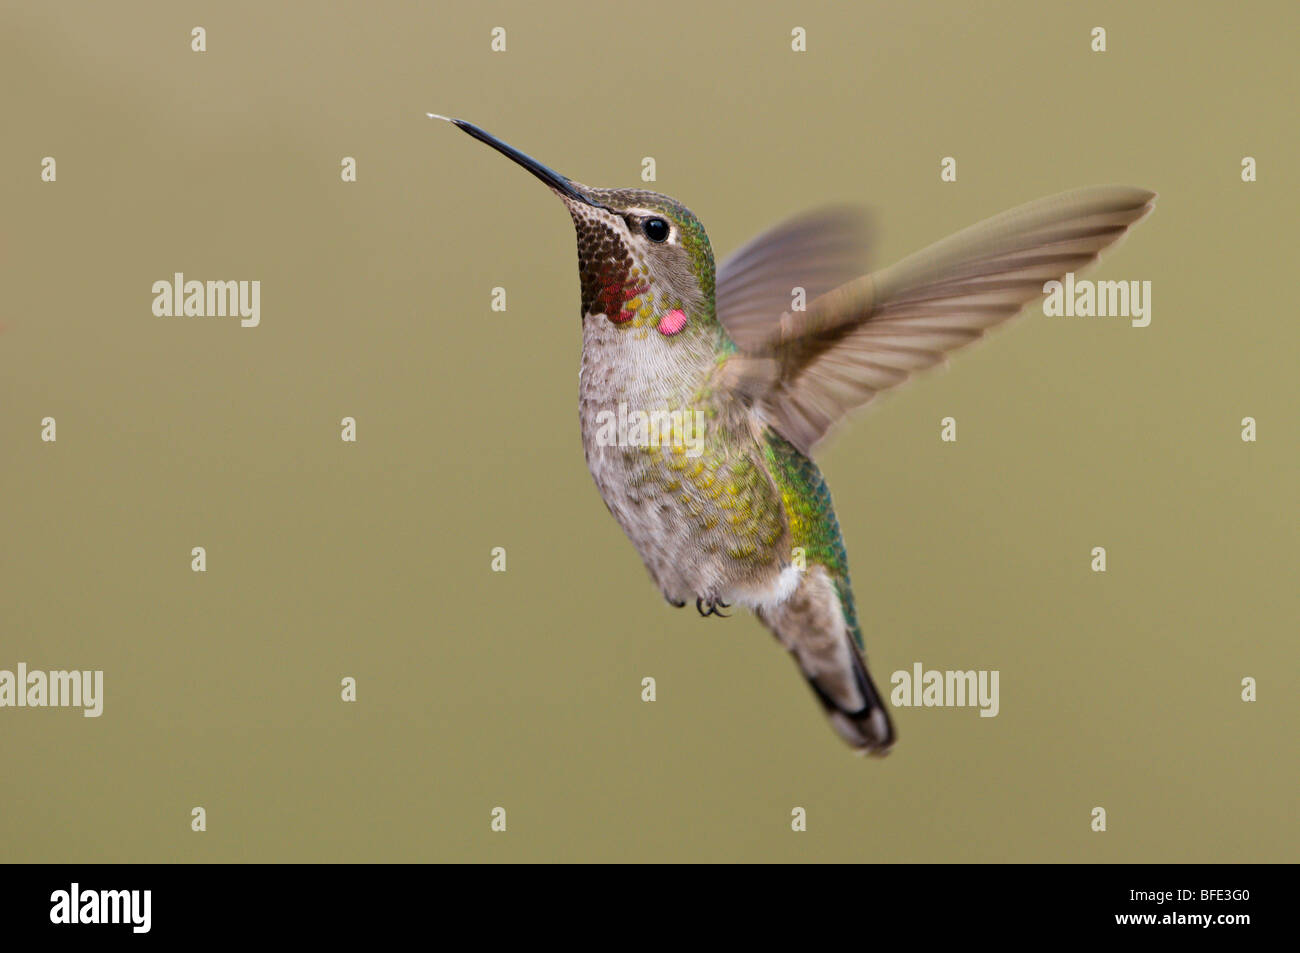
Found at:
(869, 729)
(812, 625)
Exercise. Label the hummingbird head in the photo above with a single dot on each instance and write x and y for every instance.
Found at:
(644, 260)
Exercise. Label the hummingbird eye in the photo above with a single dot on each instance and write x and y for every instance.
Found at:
(656, 229)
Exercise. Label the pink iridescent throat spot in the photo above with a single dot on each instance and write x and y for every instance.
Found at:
(672, 322)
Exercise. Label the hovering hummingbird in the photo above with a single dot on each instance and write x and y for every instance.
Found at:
(749, 519)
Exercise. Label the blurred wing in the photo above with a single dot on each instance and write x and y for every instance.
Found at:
(871, 334)
(816, 251)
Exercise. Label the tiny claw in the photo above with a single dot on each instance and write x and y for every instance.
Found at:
(675, 604)
(712, 609)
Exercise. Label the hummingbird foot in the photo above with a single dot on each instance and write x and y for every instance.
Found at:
(712, 608)
(675, 604)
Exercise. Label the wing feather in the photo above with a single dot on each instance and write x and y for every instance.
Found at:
(808, 369)
(816, 251)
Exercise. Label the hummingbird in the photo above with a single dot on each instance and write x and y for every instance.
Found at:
(748, 520)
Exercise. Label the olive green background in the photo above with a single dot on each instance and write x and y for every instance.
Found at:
(478, 689)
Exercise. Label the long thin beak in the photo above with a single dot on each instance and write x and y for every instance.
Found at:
(549, 176)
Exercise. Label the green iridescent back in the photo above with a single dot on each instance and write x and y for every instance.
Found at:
(811, 515)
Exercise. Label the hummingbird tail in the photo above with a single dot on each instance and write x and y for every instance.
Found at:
(813, 625)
